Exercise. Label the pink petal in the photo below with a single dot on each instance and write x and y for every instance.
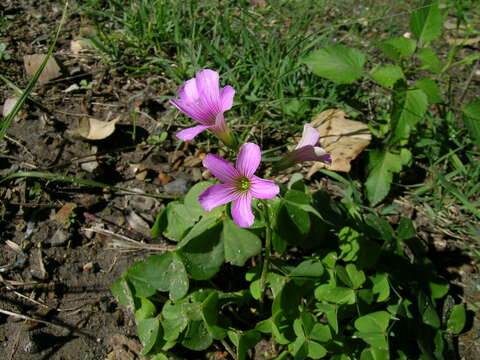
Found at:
(226, 98)
(242, 211)
(209, 90)
(263, 189)
(310, 136)
(190, 133)
(248, 159)
(220, 168)
(220, 124)
(195, 111)
(311, 153)
(188, 92)
(217, 195)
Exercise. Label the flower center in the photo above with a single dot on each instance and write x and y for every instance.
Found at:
(243, 184)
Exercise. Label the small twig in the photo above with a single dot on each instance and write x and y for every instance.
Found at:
(468, 81)
(130, 244)
(24, 317)
(129, 233)
(229, 349)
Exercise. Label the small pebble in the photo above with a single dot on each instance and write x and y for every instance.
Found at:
(178, 186)
(90, 166)
(59, 238)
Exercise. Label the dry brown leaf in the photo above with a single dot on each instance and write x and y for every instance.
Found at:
(79, 45)
(33, 62)
(93, 129)
(63, 214)
(344, 139)
(463, 42)
(9, 105)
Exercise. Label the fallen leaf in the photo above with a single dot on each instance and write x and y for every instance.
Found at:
(79, 45)
(33, 62)
(93, 129)
(343, 138)
(62, 215)
(463, 42)
(73, 87)
(9, 105)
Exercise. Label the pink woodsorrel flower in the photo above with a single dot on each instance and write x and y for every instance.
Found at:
(306, 150)
(239, 184)
(202, 99)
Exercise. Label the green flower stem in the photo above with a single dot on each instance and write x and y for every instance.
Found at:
(228, 139)
(267, 253)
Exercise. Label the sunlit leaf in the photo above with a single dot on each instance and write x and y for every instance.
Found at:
(338, 63)
(426, 21)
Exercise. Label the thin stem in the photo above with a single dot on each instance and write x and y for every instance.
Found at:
(229, 349)
(267, 253)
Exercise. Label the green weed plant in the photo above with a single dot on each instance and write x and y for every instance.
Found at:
(316, 277)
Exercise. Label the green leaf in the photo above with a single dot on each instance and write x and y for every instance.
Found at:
(123, 292)
(409, 107)
(381, 166)
(148, 332)
(308, 268)
(194, 207)
(203, 252)
(315, 350)
(308, 332)
(160, 224)
(430, 317)
(471, 119)
(301, 218)
(381, 287)
(337, 63)
(239, 244)
(387, 75)
(335, 294)
(320, 333)
(349, 243)
(203, 255)
(288, 299)
(147, 309)
(357, 277)
(299, 349)
(281, 328)
(179, 220)
(331, 311)
(244, 341)
(375, 354)
(457, 319)
(383, 229)
(372, 329)
(211, 312)
(430, 60)
(164, 272)
(197, 337)
(201, 227)
(438, 289)
(426, 21)
(174, 320)
(160, 357)
(430, 88)
(398, 48)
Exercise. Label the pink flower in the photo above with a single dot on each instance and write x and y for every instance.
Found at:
(306, 150)
(202, 99)
(239, 184)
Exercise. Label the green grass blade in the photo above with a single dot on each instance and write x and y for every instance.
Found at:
(455, 192)
(79, 181)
